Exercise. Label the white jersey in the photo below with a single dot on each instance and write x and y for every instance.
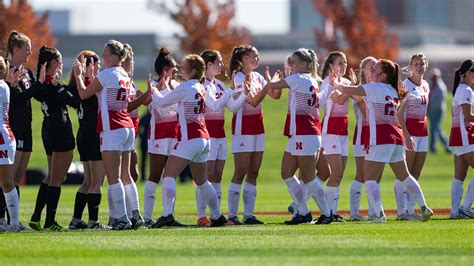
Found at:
(6, 132)
(113, 99)
(382, 103)
(416, 101)
(164, 120)
(462, 131)
(191, 108)
(303, 106)
(248, 120)
(335, 115)
(361, 123)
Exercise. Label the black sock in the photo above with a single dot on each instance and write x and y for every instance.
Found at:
(3, 205)
(52, 204)
(79, 204)
(93, 203)
(40, 202)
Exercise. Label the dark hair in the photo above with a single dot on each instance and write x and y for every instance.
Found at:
(463, 69)
(163, 59)
(90, 57)
(309, 56)
(117, 48)
(15, 40)
(330, 59)
(236, 58)
(4, 67)
(392, 69)
(210, 56)
(198, 64)
(46, 55)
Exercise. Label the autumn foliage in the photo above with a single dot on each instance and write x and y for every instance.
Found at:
(359, 30)
(206, 24)
(19, 15)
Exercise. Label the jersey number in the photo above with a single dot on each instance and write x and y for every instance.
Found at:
(423, 100)
(201, 106)
(391, 105)
(123, 91)
(314, 100)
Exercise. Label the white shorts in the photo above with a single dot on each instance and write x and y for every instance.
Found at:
(335, 144)
(121, 139)
(420, 144)
(460, 150)
(161, 146)
(218, 149)
(385, 153)
(7, 152)
(359, 150)
(248, 143)
(303, 145)
(195, 150)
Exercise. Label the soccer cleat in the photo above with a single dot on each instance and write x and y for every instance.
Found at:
(203, 222)
(112, 221)
(370, 218)
(356, 218)
(148, 223)
(77, 224)
(233, 221)
(137, 221)
(300, 219)
(3, 221)
(55, 227)
(219, 221)
(18, 228)
(468, 213)
(379, 219)
(122, 224)
(323, 219)
(402, 217)
(338, 218)
(97, 226)
(3, 228)
(251, 220)
(426, 214)
(414, 217)
(35, 225)
(457, 216)
(164, 221)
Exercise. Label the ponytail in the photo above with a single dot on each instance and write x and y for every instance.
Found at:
(46, 55)
(465, 66)
(238, 53)
(4, 67)
(163, 59)
(15, 40)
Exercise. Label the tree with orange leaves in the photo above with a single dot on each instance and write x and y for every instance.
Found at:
(19, 15)
(363, 30)
(206, 24)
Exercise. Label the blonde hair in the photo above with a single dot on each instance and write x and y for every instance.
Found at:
(4, 67)
(363, 63)
(117, 48)
(198, 64)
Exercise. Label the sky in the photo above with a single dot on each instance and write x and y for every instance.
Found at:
(133, 16)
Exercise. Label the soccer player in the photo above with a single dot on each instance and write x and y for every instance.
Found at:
(56, 132)
(7, 149)
(21, 83)
(217, 97)
(88, 146)
(335, 127)
(193, 146)
(248, 135)
(385, 144)
(412, 118)
(461, 140)
(112, 86)
(163, 132)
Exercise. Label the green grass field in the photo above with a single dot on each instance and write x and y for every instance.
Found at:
(439, 241)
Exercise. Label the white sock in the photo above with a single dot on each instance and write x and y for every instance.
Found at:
(370, 209)
(303, 206)
(469, 195)
(296, 194)
(331, 197)
(218, 188)
(118, 197)
(110, 201)
(200, 203)
(149, 199)
(168, 195)
(233, 198)
(131, 196)
(305, 190)
(457, 188)
(414, 189)
(209, 195)
(249, 195)
(11, 200)
(410, 203)
(317, 193)
(400, 196)
(373, 193)
(355, 196)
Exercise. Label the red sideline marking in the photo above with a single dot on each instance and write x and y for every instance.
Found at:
(345, 212)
